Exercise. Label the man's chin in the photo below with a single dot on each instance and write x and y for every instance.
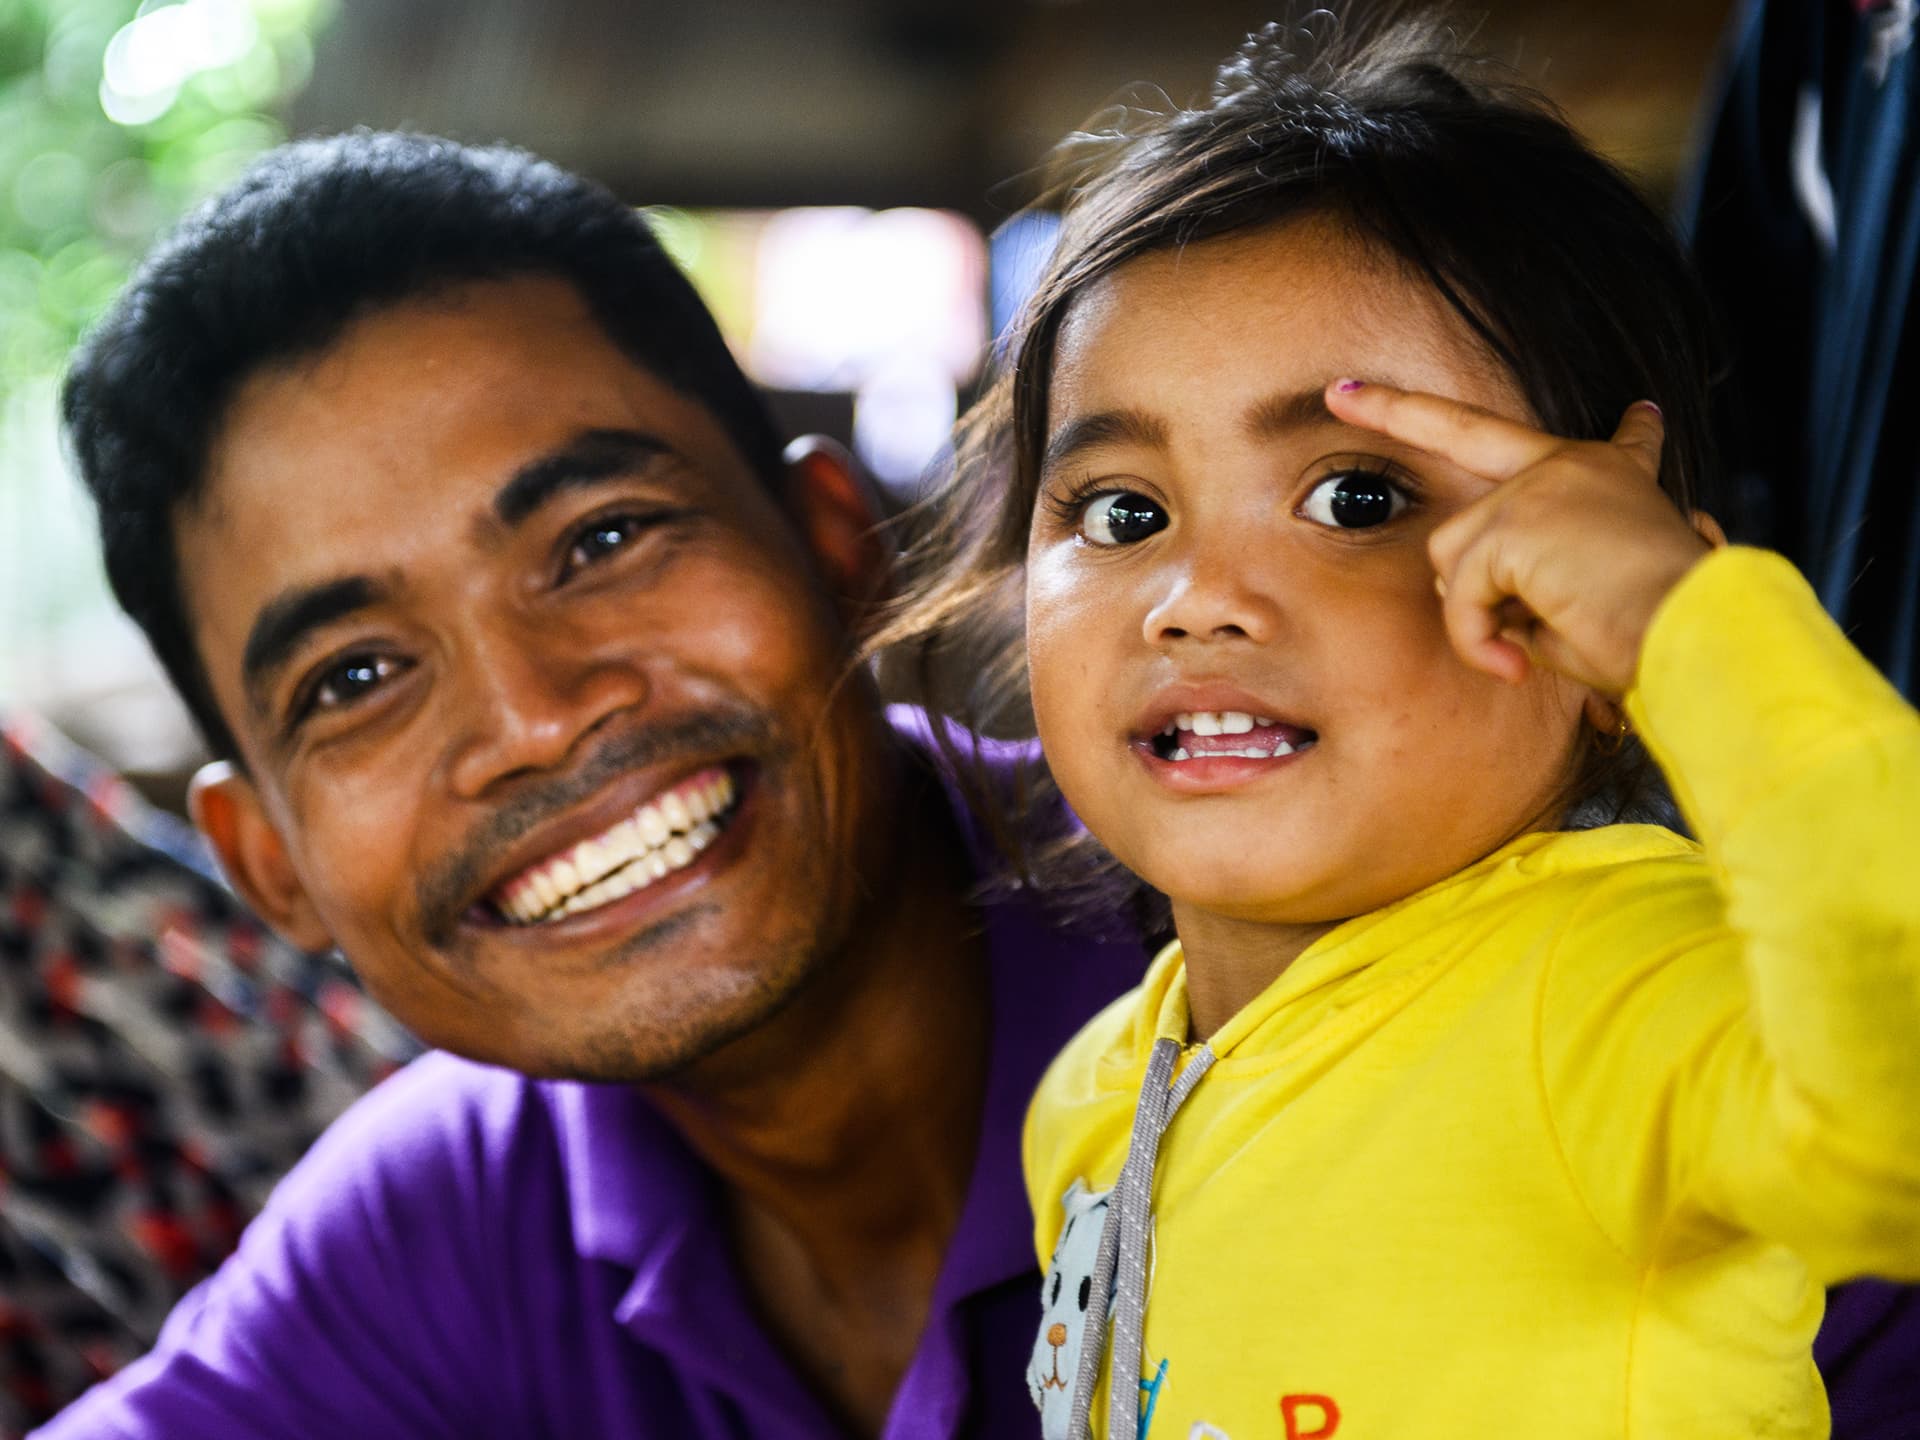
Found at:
(672, 1033)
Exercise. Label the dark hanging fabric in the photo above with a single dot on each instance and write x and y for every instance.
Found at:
(1820, 417)
(1805, 222)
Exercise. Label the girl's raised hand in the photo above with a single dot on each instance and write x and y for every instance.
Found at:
(1566, 559)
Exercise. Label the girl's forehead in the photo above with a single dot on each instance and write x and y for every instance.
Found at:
(1278, 306)
(1304, 265)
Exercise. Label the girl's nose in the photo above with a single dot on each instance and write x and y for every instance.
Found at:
(1222, 593)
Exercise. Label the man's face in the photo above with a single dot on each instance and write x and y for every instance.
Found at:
(536, 685)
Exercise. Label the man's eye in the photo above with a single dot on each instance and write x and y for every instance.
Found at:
(346, 681)
(1121, 517)
(1357, 500)
(600, 537)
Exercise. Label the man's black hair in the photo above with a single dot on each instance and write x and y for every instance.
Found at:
(316, 234)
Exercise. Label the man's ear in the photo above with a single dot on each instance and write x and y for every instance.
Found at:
(840, 517)
(227, 809)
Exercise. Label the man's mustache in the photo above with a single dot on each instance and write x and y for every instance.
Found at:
(447, 888)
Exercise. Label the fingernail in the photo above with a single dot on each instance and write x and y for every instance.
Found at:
(1347, 387)
(1649, 405)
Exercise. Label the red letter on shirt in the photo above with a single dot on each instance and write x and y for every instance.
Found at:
(1329, 1416)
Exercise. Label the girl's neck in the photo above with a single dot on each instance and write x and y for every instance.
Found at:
(1230, 961)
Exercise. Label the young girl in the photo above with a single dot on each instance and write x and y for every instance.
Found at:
(1351, 437)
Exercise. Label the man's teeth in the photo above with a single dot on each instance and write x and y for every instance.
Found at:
(663, 836)
(676, 854)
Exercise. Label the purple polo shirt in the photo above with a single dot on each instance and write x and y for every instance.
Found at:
(470, 1253)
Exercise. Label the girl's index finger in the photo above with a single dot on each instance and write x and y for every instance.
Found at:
(1476, 440)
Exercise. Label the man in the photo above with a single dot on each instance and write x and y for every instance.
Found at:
(440, 498)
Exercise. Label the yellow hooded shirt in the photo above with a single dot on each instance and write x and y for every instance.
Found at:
(1570, 1143)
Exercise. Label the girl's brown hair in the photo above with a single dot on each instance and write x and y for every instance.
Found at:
(1383, 121)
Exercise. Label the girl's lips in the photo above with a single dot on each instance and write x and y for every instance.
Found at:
(1212, 708)
(1201, 735)
(1213, 770)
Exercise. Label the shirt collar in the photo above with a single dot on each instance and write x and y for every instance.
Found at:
(639, 1199)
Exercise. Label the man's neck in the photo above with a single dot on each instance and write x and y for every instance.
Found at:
(844, 1131)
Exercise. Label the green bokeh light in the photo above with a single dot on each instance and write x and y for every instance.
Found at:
(81, 197)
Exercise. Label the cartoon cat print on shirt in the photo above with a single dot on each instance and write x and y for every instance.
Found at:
(1063, 1308)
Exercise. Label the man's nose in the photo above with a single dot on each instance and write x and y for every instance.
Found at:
(525, 700)
(1215, 591)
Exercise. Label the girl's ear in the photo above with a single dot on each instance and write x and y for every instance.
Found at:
(1608, 719)
(840, 517)
(1707, 528)
(226, 807)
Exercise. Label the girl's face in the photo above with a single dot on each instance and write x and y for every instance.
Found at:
(1211, 549)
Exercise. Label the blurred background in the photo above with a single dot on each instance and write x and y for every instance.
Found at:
(837, 176)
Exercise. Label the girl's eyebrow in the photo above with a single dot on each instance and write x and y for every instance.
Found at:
(1277, 415)
(1103, 427)
(1289, 410)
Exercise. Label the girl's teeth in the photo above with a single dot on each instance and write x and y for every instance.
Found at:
(1213, 722)
(1216, 722)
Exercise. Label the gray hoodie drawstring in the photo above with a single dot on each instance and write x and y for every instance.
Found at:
(1120, 1266)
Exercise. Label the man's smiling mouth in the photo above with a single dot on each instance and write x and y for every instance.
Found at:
(1222, 734)
(664, 835)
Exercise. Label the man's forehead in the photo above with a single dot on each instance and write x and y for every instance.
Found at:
(464, 385)
(395, 447)
(444, 353)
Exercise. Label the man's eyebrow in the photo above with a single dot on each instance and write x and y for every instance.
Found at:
(1288, 411)
(285, 621)
(1103, 427)
(585, 459)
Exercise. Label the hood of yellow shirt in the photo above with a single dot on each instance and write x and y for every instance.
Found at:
(1369, 960)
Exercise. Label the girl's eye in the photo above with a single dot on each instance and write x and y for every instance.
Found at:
(345, 681)
(1357, 500)
(1121, 517)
